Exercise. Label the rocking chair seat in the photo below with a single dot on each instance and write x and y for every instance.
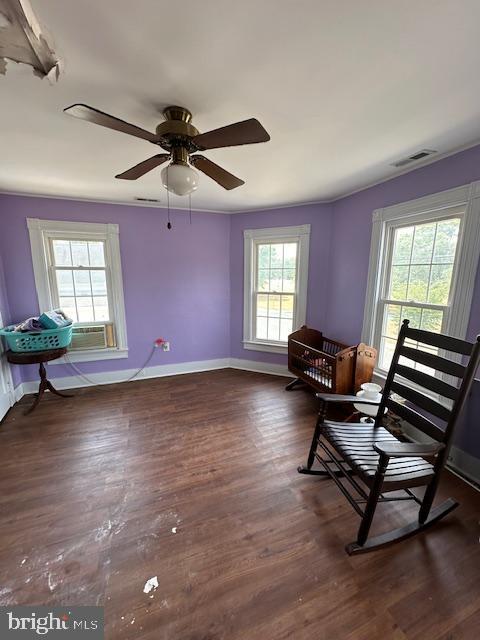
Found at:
(354, 441)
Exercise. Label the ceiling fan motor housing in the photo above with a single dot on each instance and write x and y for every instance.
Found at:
(177, 130)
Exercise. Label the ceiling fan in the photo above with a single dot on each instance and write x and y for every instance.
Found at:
(181, 140)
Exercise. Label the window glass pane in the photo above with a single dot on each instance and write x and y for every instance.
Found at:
(85, 309)
(96, 253)
(287, 307)
(67, 305)
(65, 283)
(440, 280)
(398, 283)
(414, 314)
(82, 283)
(273, 306)
(263, 281)
(262, 325)
(276, 280)
(392, 319)
(289, 280)
(276, 256)
(80, 256)
(446, 241)
(418, 283)
(99, 283)
(432, 320)
(61, 253)
(285, 329)
(290, 255)
(423, 243)
(262, 305)
(100, 305)
(387, 347)
(274, 328)
(402, 245)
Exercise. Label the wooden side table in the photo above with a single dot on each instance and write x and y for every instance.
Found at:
(39, 357)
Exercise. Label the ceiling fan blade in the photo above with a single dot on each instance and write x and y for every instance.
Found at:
(144, 167)
(224, 178)
(84, 112)
(246, 132)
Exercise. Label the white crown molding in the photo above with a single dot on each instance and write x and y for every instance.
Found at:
(134, 203)
(396, 174)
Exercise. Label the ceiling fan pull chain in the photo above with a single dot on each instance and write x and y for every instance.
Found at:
(169, 224)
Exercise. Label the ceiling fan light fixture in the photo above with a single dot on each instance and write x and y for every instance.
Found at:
(180, 179)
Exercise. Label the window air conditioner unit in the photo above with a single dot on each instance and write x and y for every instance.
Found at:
(100, 336)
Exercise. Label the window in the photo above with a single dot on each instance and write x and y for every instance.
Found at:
(77, 268)
(276, 272)
(423, 262)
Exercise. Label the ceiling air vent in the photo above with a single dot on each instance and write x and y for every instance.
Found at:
(147, 200)
(419, 155)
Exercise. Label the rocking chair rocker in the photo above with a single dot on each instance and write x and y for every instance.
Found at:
(380, 461)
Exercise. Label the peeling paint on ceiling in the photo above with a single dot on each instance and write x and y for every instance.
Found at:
(22, 40)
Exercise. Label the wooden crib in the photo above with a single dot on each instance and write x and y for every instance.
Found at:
(327, 365)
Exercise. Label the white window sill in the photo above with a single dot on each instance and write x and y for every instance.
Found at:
(272, 347)
(92, 355)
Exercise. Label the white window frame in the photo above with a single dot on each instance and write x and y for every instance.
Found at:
(252, 237)
(41, 232)
(418, 211)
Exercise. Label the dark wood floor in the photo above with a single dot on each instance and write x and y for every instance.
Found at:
(193, 479)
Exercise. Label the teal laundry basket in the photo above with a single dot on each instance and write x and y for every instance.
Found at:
(21, 341)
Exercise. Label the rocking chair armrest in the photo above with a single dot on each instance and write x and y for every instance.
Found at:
(338, 397)
(407, 449)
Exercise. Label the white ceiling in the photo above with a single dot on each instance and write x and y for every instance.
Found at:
(343, 87)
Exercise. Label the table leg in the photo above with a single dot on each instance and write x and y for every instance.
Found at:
(51, 388)
(43, 386)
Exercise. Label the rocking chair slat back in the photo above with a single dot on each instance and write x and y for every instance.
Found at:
(440, 340)
(421, 400)
(433, 361)
(435, 385)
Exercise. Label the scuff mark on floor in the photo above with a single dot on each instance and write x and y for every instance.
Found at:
(103, 531)
(150, 584)
(51, 582)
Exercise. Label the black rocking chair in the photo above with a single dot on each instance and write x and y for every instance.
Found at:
(366, 461)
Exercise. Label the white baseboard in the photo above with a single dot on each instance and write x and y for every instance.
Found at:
(158, 371)
(461, 462)
(260, 367)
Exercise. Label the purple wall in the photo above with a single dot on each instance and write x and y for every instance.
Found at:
(176, 283)
(319, 216)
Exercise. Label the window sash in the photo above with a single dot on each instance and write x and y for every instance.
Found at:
(53, 268)
(271, 292)
(383, 300)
